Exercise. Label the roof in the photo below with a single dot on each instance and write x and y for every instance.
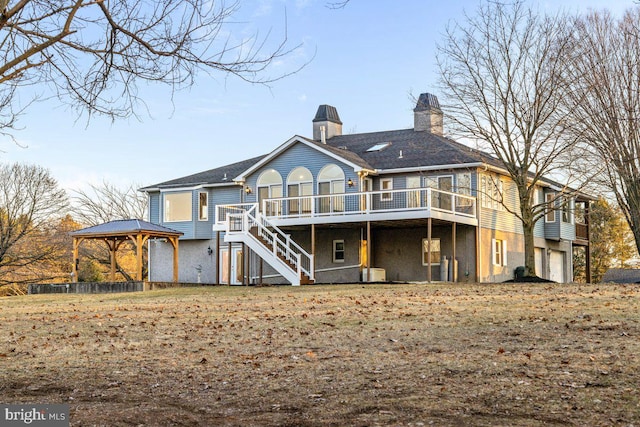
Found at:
(221, 175)
(124, 226)
(409, 149)
(621, 275)
(338, 153)
(327, 113)
(427, 101)
(404, 148)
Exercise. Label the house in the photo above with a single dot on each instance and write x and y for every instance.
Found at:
(399, 205)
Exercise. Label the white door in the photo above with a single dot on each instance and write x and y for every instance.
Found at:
(236, 266)
(556, 266)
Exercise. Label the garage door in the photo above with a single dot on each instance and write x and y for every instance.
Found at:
(556, 266)
(539, 254)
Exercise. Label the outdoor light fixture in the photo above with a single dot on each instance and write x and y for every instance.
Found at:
(209, 250)
(350, 183)
(247, 189)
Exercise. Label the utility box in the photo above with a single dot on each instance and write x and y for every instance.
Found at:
(375, 275)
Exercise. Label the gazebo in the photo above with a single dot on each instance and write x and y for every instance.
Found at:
(114, 233)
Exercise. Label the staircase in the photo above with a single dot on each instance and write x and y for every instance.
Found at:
(271, 244)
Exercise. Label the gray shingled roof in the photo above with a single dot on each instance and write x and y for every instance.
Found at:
(419, 149)
(220, 175)
(124, 226)
(343, 152)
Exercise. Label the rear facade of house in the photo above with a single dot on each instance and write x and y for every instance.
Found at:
(403, 205)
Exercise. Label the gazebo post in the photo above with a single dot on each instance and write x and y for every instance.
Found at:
(139, 257)
(174, 243)
(112, 256)
(74, 267)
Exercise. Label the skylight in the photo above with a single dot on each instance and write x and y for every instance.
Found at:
(379, 147)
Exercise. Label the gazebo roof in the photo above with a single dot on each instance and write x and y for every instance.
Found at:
(125, 227)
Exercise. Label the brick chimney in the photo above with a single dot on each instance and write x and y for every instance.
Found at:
(427, 116)
(326, 124)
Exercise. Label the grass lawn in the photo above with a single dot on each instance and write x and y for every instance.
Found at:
(353, 355)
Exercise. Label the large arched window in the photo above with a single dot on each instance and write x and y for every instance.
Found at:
(300, 184)
(269, 186)
(331, 181)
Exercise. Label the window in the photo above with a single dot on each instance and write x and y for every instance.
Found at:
(566, 210)
(177, 206)
(551, 212)
(435, 251)
(338, 251)
(499, 250)
(386, 184)
(331, 181)
(299, 185)
(270, 187)
(203, 206)
(414, 199)
(464, 188)
(491, 192)
(379, 147)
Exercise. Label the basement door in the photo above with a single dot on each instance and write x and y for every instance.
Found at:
(237, 262)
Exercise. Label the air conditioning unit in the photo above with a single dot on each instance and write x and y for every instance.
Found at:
(376, 275)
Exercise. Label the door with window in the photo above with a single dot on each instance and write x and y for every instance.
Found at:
(331, 181)
(414, 199)
(445, 183)
(233, 269)
(270, 187)
(299, 186)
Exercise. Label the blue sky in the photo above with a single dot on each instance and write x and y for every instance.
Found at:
(366, 59)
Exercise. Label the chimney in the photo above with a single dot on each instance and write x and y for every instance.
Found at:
(326, 124)
(427, 116)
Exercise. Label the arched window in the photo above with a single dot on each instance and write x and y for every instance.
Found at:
(269, 186)
(299, 185)
(331, 181)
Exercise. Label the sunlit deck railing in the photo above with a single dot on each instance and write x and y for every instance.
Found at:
(378, 202)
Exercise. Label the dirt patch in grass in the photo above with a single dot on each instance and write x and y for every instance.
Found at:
(414, 355)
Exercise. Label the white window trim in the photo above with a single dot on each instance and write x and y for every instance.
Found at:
(499, 257)
(335, 260)
(165, 210)
(204, 217)
(550, 207)
(386, 197)
(568, 202)
(423, 252)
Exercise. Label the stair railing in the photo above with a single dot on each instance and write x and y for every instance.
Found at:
(281, 243)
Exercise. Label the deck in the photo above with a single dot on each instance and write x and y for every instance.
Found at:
(388, 205)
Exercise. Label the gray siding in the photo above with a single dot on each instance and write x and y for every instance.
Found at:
(300, 155)
(501, 220)
(154, 208)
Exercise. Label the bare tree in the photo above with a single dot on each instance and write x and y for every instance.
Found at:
(107, 202)
(104, 203)
(605, 103)
(31, 207)
(92, 53)
(500, 75)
